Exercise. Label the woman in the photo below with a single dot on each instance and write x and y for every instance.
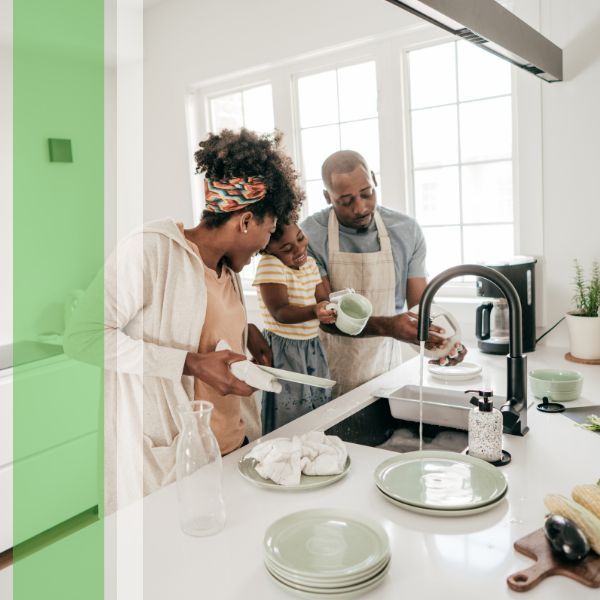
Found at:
(170, 295)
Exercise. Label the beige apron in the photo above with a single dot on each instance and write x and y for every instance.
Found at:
(353, 361)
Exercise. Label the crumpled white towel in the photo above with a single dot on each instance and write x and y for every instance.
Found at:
(283, 460)
(247, 371)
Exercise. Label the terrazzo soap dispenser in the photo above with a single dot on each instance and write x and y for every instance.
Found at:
(485, 427)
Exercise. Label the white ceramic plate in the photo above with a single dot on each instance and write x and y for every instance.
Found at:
(430, 512)
(325, 543)
(440, 480)
(299, 377)
(339, 594)
(247, 470)
(460, 372)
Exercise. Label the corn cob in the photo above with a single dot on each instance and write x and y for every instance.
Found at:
(582, 517)
(588, 496)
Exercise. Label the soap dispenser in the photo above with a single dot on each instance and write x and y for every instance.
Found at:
(485, 427)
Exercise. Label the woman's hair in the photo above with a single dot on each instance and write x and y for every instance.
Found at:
(230, 154)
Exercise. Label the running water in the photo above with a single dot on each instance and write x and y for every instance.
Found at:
(422, 357)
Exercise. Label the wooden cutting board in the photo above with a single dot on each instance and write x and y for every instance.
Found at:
(536, 546)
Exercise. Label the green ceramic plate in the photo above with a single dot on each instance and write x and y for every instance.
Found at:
(307, 482)
(432, 512)
(440, 480)
(330, 582)
(325, 543)
(299, 377)
(342, 593)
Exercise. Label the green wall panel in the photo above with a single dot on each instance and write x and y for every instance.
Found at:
(58, 234)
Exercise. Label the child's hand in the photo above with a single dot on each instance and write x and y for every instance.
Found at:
(323, 314)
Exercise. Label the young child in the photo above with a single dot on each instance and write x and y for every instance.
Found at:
(292, 299)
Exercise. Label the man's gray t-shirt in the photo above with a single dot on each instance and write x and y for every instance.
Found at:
(406, 238)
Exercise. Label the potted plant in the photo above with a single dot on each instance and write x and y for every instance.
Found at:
(584, 321)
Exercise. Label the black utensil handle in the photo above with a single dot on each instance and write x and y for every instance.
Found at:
(482, 321)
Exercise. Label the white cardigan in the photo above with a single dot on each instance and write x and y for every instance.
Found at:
(154, 310)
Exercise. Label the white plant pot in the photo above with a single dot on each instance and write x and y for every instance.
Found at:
(584, 336)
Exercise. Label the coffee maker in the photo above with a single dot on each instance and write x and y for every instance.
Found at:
(492, 317)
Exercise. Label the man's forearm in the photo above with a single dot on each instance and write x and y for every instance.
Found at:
(376, 326)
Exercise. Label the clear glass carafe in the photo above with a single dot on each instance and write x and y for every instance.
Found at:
(199, 472)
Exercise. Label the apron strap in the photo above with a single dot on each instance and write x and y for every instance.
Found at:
(384, 238)
(333, 231)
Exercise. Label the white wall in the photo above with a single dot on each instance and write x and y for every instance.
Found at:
(571, 151)
(186, 43)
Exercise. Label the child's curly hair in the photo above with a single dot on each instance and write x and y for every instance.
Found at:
(291, 219)
(229, 154)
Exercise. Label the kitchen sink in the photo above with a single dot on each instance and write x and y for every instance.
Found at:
(443, 407)
(376, 426)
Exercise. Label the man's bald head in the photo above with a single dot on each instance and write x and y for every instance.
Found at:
(343, 161)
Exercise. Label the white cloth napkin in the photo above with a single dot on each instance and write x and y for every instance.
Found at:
(283, 460)
(247, 371)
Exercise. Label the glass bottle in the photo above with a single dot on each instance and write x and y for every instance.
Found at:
(199, 472)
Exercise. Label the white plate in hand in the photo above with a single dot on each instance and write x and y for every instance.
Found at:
(461, 372)
(299, 377)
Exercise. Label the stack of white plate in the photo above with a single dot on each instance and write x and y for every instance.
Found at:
(440, 483)
(330, 553)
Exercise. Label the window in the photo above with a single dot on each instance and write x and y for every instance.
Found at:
(251, 108)
(337, 109)
(461, 131)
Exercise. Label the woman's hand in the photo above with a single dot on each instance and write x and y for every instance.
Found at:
(324, 314)
(213, 369)
(258, 347)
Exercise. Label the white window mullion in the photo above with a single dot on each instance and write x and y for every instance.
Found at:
(283, 111)
(460, 186)
(396, 177)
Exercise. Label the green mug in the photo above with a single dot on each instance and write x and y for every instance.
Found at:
(353, 312)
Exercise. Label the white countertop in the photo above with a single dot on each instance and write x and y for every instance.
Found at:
(464, 558)
(432, 557)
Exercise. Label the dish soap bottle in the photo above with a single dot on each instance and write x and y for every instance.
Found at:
(485, 427)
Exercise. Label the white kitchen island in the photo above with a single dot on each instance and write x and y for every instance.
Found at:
(148, 557)
(432, 557)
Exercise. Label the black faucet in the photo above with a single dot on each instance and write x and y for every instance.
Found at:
(514, 411)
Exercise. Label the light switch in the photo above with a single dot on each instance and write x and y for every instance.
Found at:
(60, 150)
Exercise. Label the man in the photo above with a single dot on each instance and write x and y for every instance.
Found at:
(378, 252)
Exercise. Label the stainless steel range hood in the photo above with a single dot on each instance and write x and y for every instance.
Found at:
(495, 29)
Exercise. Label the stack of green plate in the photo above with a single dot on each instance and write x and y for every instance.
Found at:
(440, 483)
(330, 553)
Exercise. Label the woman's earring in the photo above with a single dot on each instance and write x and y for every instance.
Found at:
(245, 231)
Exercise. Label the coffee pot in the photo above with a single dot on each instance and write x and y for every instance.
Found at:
(492, 320)
(492, 324)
